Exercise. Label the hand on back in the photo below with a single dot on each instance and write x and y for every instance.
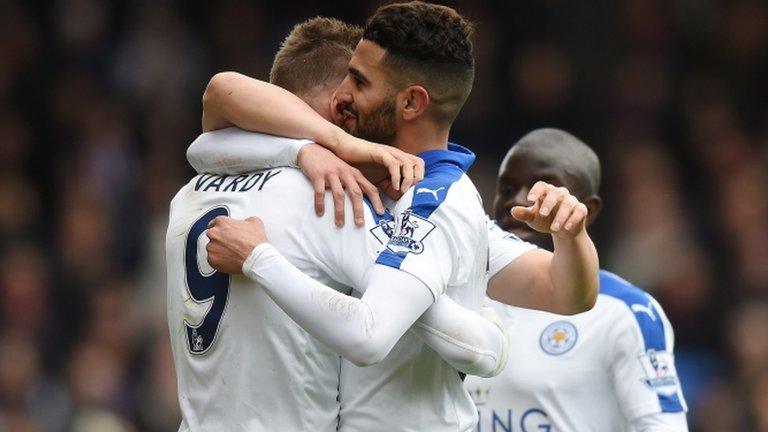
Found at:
(231, 241)
(329, 170)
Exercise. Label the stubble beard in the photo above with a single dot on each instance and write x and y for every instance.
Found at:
(379, 125)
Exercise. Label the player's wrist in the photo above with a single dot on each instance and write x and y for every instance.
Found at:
(329, 136)
(296, 149)
(302, 154)
(257, 256)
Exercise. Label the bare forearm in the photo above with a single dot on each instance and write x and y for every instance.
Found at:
(235, 99)
(574, 273)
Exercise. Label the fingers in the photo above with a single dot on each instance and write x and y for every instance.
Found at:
(412, 168)
(554, 210)
(418, 169)
(393, 166)
(538, 189)
(577, 219)
(407, 170)
(255, 220)
(217, 221)
(523, 214)
(551, 198)
(355, 195)
(338, 200)
(564, 211)
(371, 191)
(319, 186)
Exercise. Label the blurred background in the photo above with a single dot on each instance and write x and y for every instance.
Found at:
(98, 101)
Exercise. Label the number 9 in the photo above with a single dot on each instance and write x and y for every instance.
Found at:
(202, 288)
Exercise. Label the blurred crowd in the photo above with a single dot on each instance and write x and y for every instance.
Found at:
(98, 101)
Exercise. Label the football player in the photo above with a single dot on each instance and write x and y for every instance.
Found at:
(410, 388)
(241, 362)
(609, 369)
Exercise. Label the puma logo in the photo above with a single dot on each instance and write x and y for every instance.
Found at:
(427, 190)
(637, 308)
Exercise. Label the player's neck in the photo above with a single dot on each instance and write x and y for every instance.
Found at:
(418, 138)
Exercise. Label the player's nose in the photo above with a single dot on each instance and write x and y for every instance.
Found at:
(343, 93)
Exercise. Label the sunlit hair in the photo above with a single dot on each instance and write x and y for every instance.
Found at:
(315, 54)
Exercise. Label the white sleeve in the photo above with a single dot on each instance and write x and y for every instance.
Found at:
(503, 247)
(235, 151)
(475, 344)
(362, 330)
(662, 422)
(472, 343)
(642, 361)
(365, 330)
(421, 246)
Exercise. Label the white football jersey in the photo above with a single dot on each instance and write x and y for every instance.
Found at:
(595, 371)
(242, 364)
(439, 235)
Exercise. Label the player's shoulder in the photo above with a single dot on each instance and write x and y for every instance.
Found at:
(286, 180)
(637, 308)
(616, 287)
(446, 189)
(279, 188)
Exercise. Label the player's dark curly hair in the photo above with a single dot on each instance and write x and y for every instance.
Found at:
(430, 45)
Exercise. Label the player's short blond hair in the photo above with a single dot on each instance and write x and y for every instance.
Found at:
(315, 54)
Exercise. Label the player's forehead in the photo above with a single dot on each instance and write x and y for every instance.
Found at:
(367, 60)
(526, 162)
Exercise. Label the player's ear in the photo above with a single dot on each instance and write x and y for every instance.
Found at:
(413, 101)
(594, 204)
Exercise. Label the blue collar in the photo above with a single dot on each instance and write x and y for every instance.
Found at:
(457, 155)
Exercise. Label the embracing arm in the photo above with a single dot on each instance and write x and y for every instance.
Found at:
(365, 330)
(234, 151)
(475, 344)
(362, 330)
(235, 99)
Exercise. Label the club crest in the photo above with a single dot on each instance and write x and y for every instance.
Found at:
(558, 338)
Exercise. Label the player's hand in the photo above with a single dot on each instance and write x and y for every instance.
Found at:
(231, 241)
(328, 171)
(553, 210)
(385, 185)
(405, 169)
